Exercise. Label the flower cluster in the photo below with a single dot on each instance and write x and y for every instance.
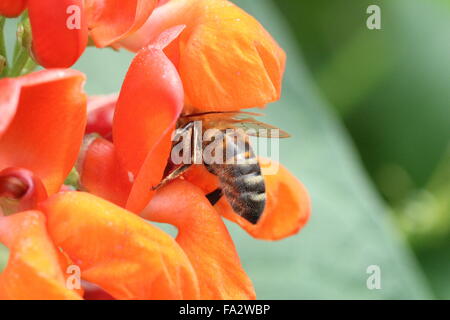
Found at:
(191, 56)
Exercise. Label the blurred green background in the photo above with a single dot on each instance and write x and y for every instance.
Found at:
(369, 111)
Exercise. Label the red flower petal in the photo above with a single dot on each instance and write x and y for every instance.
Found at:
(46, 116)
(12, 8)
(149, 104)
(59, 31)
(205, 239)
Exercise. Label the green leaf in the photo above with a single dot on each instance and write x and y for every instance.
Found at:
(349, 229)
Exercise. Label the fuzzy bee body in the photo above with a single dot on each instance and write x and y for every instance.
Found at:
(238, 169)
(240, 178)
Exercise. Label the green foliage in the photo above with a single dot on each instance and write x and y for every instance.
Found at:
(391, 88)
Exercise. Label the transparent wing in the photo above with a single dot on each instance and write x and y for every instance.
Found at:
(222, 114)
(241, 120)
(260, 129)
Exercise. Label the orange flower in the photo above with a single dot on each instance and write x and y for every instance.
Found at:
(118, 251)
(226, 59)
(113, 248)
(60, 27)
(123, 171)
(133, 260)
(138, 157)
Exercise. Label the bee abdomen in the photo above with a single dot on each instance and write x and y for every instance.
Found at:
(246, 192)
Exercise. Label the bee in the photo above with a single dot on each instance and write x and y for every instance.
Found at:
(239, 172)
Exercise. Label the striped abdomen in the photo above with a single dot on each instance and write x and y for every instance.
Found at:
(241, 179)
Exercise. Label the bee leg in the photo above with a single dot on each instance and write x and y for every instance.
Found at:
(214, 196)
(173, 175)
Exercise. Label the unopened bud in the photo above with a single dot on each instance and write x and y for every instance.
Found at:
(24, 36)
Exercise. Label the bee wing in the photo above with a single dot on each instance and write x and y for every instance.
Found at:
(242, 120)
(260, 129)
(251, 127)
(222, 114)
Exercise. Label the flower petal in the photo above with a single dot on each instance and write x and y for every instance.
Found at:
(150, 174)
(205, 239)
(101, 173)
(111, 20)
(227, 60)
(287, 202)
(59, 31)
(10, 91)
(33, 270)
(117, 250)
(149, 104)
(12, 8)
(148, 107)
(47, 116)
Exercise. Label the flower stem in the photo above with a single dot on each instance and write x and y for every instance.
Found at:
(19, 63)
(23, 62)
(30, 65)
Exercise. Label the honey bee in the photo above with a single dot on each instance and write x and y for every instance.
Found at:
(239, 173)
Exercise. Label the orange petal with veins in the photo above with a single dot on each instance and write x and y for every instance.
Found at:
(117, 250)
(227, 60)
(205, 239)
(33, 270)
(44, 124)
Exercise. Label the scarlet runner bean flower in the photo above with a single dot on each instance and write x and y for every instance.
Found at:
(149, 111)
(50, 106)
